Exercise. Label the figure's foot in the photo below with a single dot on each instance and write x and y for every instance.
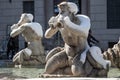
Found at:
(18, 66)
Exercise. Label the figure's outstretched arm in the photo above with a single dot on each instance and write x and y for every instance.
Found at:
(50, 32)
(17, 31)
(83, 28)
(53, 29)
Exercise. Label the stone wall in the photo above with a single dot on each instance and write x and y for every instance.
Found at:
(10, 13)
(98, 15)
(43, 9)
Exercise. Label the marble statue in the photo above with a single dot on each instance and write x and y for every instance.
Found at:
(76, 58)
(32, 32)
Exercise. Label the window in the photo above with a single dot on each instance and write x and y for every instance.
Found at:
(28, 7)
(110, 44)
(113, 14)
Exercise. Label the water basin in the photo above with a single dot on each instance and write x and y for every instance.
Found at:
(33, 71)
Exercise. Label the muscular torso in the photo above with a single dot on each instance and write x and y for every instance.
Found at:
(33, 40)
(30, 35)
(72, 39)
(76, 39)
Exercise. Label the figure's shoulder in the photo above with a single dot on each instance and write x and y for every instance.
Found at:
(32, 24)
(83, 16)
(36, 27)
(85, 20)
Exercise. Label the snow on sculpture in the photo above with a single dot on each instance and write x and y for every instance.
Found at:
(33, 33)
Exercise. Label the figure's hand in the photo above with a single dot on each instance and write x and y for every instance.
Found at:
(52, 25)
(67, 19)
(14, 26)
(51, 22)
(60, 24)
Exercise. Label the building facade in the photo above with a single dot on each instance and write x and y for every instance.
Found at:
(104, 15)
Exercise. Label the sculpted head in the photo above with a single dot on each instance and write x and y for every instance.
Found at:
(63, 7)
(68, 6)
(25, 18)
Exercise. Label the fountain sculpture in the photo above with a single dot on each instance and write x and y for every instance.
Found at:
(76, 58)
(33, 54)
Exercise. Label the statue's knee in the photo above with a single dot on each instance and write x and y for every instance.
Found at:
(56, 62)
(58, 49)
(18, 58)
(53, 52)
(51, 66)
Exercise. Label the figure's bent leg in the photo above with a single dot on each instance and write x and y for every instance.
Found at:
(71, 52)
(41, 59)
(93, 62)
(21, 55)
(17, 58)
(77, 67)
(83, 56)
(52, 52)
(97, 55)
(57, 61)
